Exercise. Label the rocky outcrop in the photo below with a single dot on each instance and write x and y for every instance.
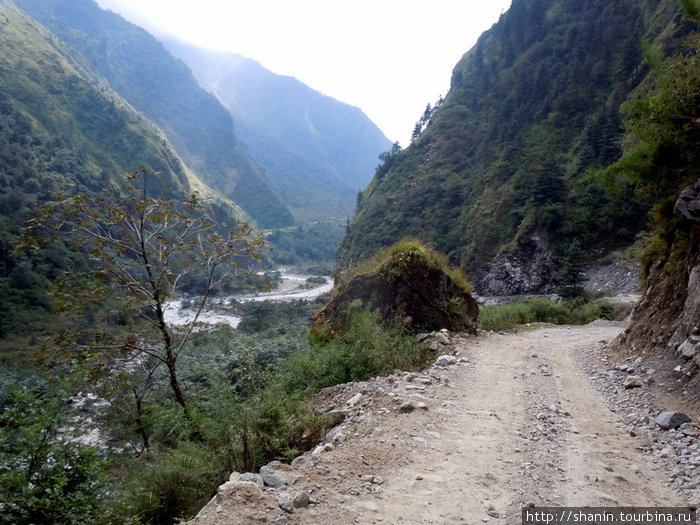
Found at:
(531, 269)
(688, 203)
(667, 318)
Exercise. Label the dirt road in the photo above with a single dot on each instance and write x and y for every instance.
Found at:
(515, 421)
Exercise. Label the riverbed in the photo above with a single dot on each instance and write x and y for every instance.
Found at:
(292, 286)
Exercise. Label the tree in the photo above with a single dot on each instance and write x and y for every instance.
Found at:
(145, 251)
(571, 277)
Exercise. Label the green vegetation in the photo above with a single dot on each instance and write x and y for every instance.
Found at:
(59, 133)
(533, 109)
(541, 310)
(46, 475)
(400, 260)
(663, 146)
(312, 243)
(250, 392)
(145, 251)
(407, 280)
(103, 45)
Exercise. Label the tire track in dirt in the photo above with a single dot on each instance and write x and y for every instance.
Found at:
(516, 423)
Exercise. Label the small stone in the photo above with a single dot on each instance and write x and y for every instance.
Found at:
(270, 478)
(445, 360)
(354, 400)
(285, 503)
(252, 478)
(301, 500)
(689, 348)
(632, 382)
(406, 407)
(441, 338)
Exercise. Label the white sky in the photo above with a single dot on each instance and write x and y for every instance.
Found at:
(388, 57)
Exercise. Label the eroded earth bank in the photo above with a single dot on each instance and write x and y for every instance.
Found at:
(539, 417)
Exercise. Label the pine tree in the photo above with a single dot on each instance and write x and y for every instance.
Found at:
(571, 277)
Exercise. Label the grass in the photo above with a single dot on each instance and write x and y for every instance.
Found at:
(541, 310)
(405, 256)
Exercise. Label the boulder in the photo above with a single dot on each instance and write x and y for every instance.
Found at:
(669, 419)
(409, 282)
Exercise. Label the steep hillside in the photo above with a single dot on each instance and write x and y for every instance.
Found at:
(138, 67)
(662, 158)
(318, 152)
(61, 133)
(497, 180)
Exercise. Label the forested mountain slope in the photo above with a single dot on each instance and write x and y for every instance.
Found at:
(138, 67)
(497, 179)
(63, 133)
(318, 152)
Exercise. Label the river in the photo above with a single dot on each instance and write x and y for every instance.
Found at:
(293, 286)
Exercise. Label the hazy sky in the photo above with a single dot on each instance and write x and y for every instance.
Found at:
(388, 57)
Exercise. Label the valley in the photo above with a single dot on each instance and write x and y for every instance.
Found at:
(480, 347)
(291, 286)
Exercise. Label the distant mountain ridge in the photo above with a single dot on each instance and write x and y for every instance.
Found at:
(498, 179)
(318, 152)
(138, 67)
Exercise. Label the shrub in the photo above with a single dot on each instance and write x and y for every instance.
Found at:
(177, 485)
(46, 476)
(541, 310)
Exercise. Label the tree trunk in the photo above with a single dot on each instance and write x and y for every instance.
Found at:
(140, 426)
(174, 383)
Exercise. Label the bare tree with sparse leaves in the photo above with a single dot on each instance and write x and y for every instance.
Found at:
(146, 249)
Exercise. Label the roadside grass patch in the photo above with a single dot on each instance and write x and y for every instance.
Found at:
(540, 310)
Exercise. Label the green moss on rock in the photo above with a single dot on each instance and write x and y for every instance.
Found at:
(408, 282)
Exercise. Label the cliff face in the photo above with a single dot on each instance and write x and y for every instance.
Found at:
(666, 322)
(532, 109)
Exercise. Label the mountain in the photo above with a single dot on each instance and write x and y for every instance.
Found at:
(64, 131)
(137, 66)
(498, 178)
(318, 152)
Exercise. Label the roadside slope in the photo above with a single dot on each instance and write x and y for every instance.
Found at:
(518, 420)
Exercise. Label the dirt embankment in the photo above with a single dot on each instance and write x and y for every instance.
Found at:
(533, 418)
